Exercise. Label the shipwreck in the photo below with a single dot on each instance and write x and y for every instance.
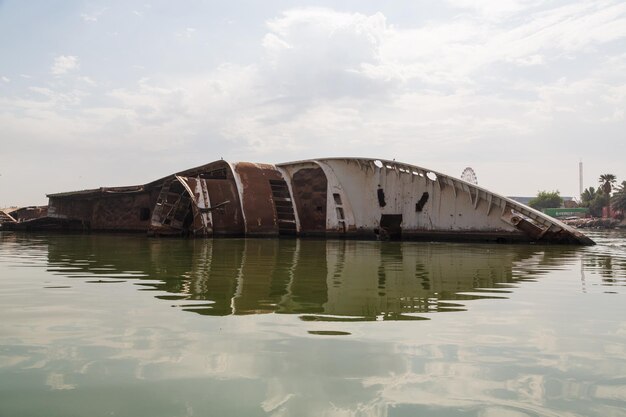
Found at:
(331, 198)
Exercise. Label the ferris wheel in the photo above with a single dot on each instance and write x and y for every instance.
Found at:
(469, 175)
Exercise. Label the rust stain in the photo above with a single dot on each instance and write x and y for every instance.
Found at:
(310, 195)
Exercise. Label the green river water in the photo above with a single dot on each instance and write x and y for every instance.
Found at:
(117, 325)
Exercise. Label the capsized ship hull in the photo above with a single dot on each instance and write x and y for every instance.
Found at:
(332, 197)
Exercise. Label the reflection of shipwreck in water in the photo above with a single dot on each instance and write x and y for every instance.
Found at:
(339, 197)
(316, 279)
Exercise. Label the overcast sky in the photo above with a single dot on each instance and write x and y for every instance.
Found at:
(123, 92)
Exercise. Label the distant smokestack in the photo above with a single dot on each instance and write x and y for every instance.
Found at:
(580, 178)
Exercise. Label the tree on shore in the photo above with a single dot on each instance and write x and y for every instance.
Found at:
(619, 198)
(594, 200)
(546, 199)
(606, 183)
(588, 195)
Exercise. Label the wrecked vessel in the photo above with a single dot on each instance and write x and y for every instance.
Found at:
(330, 197)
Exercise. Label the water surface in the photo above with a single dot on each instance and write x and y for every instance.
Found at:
(114, 325)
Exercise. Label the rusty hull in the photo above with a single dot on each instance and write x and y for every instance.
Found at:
(333, 197)
(257, 202)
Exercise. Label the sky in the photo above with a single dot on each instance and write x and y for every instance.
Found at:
(124, 92)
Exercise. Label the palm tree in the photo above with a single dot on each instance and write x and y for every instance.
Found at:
(606, 183)
(619, 199)
(587, 196)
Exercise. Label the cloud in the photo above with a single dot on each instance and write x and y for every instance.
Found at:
(187, 33)
(5, 79)
(93, 16)
(491, 10)
(64, 64)
(321, 53)
(87, 80)
(326, 74)
(454, 52)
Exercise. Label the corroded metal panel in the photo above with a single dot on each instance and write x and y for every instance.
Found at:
(227, 219)
(310, 189)
(70, 208)
(339, 218)
(256, 197)
(121, 212)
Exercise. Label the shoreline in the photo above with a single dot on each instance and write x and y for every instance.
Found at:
(596, 223)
